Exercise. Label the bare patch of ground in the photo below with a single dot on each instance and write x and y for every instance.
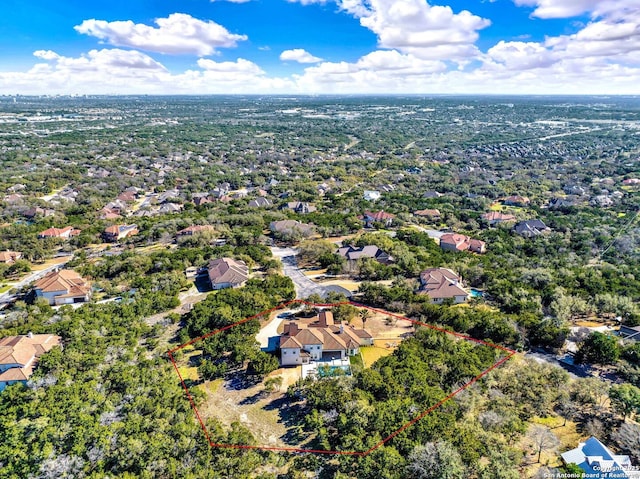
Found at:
(269, 416)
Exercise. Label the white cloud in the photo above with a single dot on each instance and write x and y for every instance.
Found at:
(414, 26)
(299, 55)
(573, 8)
(126, 62)
(239, 66)
(46, 54)
(308, 2)
(430, 32)
(421, 47)
(177, 34)
(379, 71)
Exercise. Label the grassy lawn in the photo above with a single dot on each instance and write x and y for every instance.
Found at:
(370, 354)
(567, 435)
(356, 363)
(347, 284)
(4, 288)
(184, 365)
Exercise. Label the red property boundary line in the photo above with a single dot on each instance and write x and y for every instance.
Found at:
(509, 352)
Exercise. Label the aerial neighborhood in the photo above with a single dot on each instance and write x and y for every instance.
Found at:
(423, 284)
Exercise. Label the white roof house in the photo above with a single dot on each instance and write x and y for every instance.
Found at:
(597, 460)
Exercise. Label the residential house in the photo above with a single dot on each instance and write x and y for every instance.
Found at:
(320, 340)
(259, 202)
(630, 332)
(442, 284)
(201, 200)
(37, 211)
(63, 233)
(118, 232)
(9, 257)
(597, 460)
(631, 182)
(433, 215)
(531, 228)
(459, 242)
(495, 217)
(17, 187)
(127, 196)
(194, 229)
(19, 356)
(431, 194)
(109, 214)
(351, 253)
(227, 273)
(383, 217)
(170, 208)
(575, 190)
(290, 227)
(602, 201)
(167, 196)
(117, 206)
(371, 195)
(516, 200)
(299, 207)
(63, 287)
(14, 199)
(567, 202)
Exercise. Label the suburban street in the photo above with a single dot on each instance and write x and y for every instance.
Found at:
(304, 286)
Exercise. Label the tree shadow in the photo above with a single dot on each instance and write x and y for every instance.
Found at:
(253, 399)
(240, 380)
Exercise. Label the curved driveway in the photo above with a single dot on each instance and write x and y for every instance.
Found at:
(304, 286)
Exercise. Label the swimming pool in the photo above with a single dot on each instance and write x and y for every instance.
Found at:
(476, 293)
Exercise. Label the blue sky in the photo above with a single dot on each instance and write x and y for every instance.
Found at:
(320, 46)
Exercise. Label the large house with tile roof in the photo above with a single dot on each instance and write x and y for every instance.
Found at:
(63, 287)
(442, 284)
(493, 218)
(19, 356)
(227, 273)
(458, 242)
(63, 233)
(117, 232)
(320, 340)
(371, 217)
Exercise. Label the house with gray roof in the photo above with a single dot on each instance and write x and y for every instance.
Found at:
(351, 253)
(531, 228)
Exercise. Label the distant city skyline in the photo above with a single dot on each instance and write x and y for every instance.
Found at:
(320, 47)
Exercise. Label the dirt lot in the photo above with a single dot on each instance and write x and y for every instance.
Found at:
(267, 415)
(380, 328)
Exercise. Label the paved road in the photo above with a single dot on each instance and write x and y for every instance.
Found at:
(304, 286)
(435, 234)
(36, 275)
